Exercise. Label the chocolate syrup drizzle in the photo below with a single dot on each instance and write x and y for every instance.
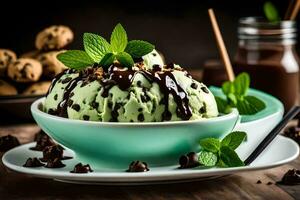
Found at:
(123, 78)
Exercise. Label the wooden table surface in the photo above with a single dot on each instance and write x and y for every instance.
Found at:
(240, 186)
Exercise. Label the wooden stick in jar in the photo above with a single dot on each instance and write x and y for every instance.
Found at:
(289, 10)
(295, 10)
(221, 45)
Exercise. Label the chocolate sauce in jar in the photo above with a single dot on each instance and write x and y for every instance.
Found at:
(267, 52)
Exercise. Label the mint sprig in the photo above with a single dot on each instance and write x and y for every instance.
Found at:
(221, 153)
(236, 97)
(98, 50)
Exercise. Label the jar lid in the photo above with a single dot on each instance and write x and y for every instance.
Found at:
(260, 28)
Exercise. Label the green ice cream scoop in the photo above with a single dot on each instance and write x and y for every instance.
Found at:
(131, 95)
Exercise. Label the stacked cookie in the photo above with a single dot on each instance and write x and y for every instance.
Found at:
(31, 73)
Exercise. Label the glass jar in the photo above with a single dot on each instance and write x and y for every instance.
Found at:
(267, 52)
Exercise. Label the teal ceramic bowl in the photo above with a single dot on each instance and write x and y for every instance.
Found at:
(114, 145)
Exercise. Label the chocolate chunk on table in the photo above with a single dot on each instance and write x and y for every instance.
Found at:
(8, 142)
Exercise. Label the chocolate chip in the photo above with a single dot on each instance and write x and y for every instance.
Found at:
(71, 94)
(81, 169)
(189, 161)
(86, 117)
(269, 183)
(56, 163)
(33, 162)
(95, 104)
(52, 111)
(291, 177)
(139, 83)
(109, 104)
(202, 109)
(141, 117)
(70, 102)
(258, 182)
(154, 54)
(131, 120)
(293, 133)
(204, 89)
(8, 142)
(1, 62)
(49, 36)
(52, 152)
(76, 107)
(42, 141)
(66, 80)
(166, 115)
(194, 86)
(156, 68)
(170, 66)
(140, 109)
(145, 98)
(55, 97)
(137, 166)
(117, 106)
(114, 114)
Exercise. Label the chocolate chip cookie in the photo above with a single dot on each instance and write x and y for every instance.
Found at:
(37, 88)
(6, 57)
(51, 66)
(25, 70)
(54, 38)
(7, 89)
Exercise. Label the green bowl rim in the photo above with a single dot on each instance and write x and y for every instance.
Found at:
(34, 109)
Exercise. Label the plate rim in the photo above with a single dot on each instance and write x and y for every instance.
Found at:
(144, 177)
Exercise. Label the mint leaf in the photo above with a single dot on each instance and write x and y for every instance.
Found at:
(125, 59)
(234, 139)
(210, 144)
(271, 12)
(241, 84)
(220, 163)
(75, 59)
(118, 39)
(230, 157)
(256, 103)
(208, 159)
(107, 60)
(232, 99)
(223, 106)
(95, 46)
(250, 105)
(139, 48)
(227, 87)
(245, 108)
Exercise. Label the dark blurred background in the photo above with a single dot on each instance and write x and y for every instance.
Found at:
(179, 29)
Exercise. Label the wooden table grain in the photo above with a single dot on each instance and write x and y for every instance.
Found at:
(240, 186)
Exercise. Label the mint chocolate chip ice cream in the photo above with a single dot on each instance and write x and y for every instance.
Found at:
(148, 92)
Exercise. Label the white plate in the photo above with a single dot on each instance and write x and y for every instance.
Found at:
(281, 151)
